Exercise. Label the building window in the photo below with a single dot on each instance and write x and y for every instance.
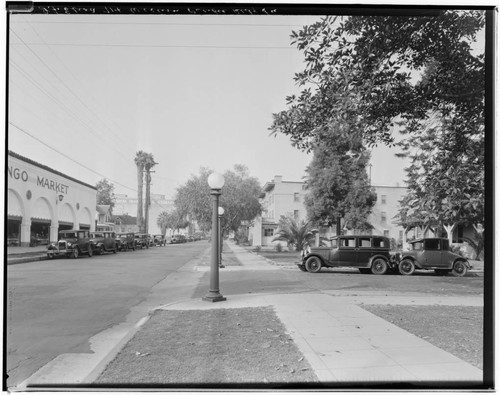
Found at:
(383, 217)
(383, 199)
(386, 233)
(268, 232)
(296, 197)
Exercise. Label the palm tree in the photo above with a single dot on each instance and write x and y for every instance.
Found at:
(296, 233)
(140, 162)
(163, 221)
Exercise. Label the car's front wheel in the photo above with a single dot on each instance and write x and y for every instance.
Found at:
(313, 264)
(101, 250)
(459, 269)
(406, 267)
(76, 253)
(50, 255)
(379, 266)
(90, 252)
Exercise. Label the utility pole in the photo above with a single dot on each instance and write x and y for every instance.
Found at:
(147, 203)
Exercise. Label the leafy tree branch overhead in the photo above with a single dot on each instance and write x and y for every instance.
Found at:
(364, 71)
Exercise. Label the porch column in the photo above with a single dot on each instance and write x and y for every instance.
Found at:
(53, 232)
(25, 232)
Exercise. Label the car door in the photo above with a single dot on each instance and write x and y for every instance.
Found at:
(433, 253)
(364, 251)
(347, 251)
(334, 253)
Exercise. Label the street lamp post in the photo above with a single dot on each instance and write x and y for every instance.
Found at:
(216, 182)
(221, 213)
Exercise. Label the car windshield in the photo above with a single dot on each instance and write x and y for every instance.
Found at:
(96, 234)
(418, 246)
(68, 235)
(334, 243)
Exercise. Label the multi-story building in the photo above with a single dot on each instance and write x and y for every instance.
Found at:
(278, 198)
(384, 211)
(287, 198)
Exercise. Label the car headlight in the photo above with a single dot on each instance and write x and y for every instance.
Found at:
(68, 244)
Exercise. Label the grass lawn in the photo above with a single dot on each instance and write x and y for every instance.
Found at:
(210, 347)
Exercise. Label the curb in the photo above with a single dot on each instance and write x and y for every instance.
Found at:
(13, 260)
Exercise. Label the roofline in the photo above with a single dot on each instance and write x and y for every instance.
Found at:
(32, 162)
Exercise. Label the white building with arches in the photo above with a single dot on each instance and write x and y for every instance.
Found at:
(41, 201)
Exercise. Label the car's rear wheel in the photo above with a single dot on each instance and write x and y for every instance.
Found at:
(76, 253)
(115, 249)
(313, 264)
(50, 255)
(459, 269)
(407, 267)
(379, 266)
(364, 270)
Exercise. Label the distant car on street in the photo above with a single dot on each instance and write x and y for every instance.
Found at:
(141, 240)
(71, 243)
(159, 240)
(104, 241)
(432, 254)
(125, 241)
(178, 239)
(370, 254)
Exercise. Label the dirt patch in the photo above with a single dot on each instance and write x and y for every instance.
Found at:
(210, 347)
(281, 258)
(455, 329)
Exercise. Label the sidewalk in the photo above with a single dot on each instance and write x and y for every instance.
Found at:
(343, 343)
(371, 349)
(26, 254)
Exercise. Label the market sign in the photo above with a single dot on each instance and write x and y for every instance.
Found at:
(18, 174)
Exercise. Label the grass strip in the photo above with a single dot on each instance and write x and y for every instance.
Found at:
(455, 329)
(218, 346)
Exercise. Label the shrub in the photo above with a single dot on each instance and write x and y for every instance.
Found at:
(278, 247)
(257, 248)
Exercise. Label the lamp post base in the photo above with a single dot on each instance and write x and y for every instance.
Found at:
(213, 297)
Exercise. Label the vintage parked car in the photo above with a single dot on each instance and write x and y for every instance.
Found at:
(125, 241)
(367, 253)
(178, 239)
(141, 240)
(159, 240)
(71, 243)
(104, 241)
(432, 254)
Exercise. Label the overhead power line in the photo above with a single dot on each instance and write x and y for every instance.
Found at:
(157, 46)
(67, 157)
(168, 24)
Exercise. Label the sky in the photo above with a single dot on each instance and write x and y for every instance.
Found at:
(86, 92)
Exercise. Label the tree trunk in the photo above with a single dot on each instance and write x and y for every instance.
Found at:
(140, 178)
(449, 231)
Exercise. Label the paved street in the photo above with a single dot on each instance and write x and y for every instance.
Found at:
(54, 307)
(77, 306)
